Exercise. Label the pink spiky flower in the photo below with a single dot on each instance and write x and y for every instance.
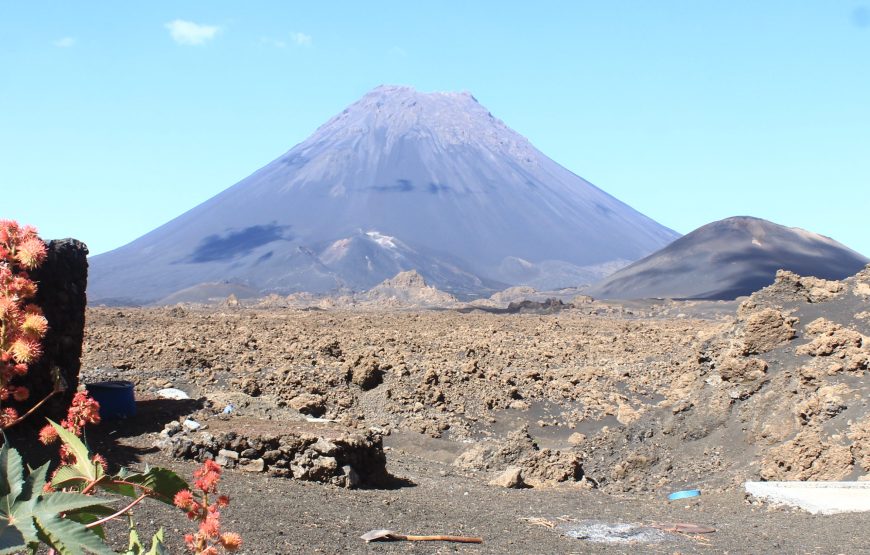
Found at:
(31, 252)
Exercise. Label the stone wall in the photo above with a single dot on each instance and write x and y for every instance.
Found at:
(326, 453)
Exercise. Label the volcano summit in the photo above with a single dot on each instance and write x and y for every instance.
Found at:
(400, 180)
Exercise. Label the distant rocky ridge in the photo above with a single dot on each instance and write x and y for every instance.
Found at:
(398, 181)
(728, 259)
(407, 288)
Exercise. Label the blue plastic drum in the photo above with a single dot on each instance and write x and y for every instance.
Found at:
(116, 399)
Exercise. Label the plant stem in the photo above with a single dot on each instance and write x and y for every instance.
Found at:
(33, 409)
(89, 487)
(119, 513)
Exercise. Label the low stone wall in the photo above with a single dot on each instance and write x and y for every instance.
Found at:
(303, 451)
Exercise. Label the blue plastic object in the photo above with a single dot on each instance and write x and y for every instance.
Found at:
(684, 494)
(116, 399)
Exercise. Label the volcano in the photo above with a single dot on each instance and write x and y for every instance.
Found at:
(400, 180)
(730, 258)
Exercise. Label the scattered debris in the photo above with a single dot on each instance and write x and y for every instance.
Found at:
(603, 532)
(539, 521)
(390, 535)
(683, 528)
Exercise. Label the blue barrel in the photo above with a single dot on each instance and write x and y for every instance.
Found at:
(116, 399)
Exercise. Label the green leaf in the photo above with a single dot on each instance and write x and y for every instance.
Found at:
(70, 538)
(68, 476)
(29, 516)
(163, 482)
(83, 464)
(135, 546)
(34, 484)
(11, 539)
(60, 502)
(157, 545)
(21, 516)
(91, 514)
(121, 489)
(11, 471)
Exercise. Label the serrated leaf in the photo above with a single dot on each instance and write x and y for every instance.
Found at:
(134, 547)
(121, 489)
(91, 514)
(11, 471)
(83, 464)
(34, 484)
(60, 502)
(22, 518)
(68, 476)
(11, 539)
(157, 545)
(70, 538)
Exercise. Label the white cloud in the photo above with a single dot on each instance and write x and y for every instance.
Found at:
(301, 39)
(65, 42)
(273, 42)
(188, 32)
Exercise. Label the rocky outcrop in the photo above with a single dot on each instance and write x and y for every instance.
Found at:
(519, 460)
(406, 289)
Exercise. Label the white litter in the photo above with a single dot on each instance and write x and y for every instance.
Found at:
(192, 425)
(824, 498)
(172, 393)
(313, 419)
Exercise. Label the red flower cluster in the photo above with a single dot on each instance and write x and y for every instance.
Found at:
(84, 410)
(208, 539)
(22, 325)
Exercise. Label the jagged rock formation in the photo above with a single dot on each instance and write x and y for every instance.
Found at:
(407, 289)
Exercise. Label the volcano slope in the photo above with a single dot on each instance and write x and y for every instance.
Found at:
(728, 259)
(399, 180)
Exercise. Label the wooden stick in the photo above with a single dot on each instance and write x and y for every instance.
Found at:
(459, 539)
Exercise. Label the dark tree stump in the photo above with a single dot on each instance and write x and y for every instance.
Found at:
(62, 281)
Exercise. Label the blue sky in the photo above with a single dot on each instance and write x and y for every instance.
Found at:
(118, 116)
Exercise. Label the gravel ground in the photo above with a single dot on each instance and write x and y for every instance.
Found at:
(286, 516)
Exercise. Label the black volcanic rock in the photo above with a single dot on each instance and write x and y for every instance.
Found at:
(399, 180)
(728, 259)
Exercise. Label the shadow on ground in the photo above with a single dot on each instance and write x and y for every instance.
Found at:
(124, 442)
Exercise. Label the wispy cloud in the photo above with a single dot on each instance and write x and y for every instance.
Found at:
(65, 42)
(301, 39)
(273, 42)
(190, 33)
